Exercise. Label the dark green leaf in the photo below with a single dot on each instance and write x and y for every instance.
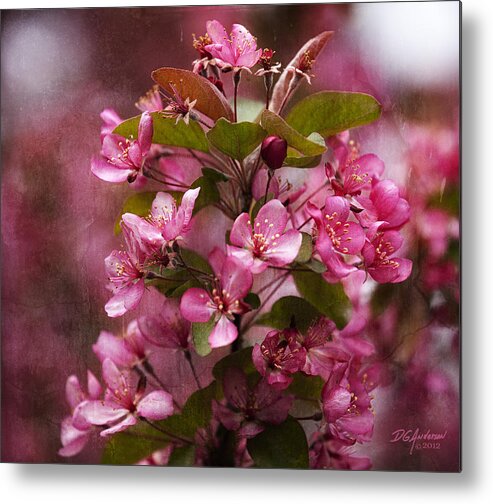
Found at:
(183, 456)
(281, 446)
(210, 101)
(253, 300)
(208, 195)
(133, 445)
(288, 310)
(236, 140)
(195, 260)
(240, 360)
(200, 335)
(316, 266)
(166, 132)
(276, 125)
(306, 387)
(329, 299)
(214, 175)
(330, 112)
(306, 249)
(138, 204)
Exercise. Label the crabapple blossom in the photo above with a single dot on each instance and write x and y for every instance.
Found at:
(337, 237)
(236, 50)
(122, 404)
(225, 300)
(265, 242)
(249, 409)
(122, 159)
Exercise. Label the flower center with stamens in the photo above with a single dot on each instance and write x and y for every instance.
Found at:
(336, 231)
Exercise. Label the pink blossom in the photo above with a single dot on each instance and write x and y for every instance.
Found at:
(75, 438)
(232, 283)
(337, 237)
(122, 159)
(323, 358)
(266, 242)
(379, 256)
(122, 404)
(126, 351)
(111, 120)
(248, 409)
(277, 358)
(384, 204)
(151, 101)
(167, 329)
(236, 50)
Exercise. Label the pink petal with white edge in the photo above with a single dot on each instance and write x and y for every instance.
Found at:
(271, 219)
(93, 386)
(241, 232)
(126, 298)
(108, 172)
(286, 248)
(96, 413)
(127, 422)
(187, 205)
(196, 305)
(113, 377)
(145, 133)
(235, 279)
(73, 391)
(224, 333)
(108, 346)
(156, 406)
(216, 32)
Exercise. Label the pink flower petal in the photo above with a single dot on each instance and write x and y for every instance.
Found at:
(196, 305)
(97, 413)
(224, 333)
(156, 406)
(145, 133)
(108, 172)
(127, 422)
(241, 232)
(286, 248)
(126, 298)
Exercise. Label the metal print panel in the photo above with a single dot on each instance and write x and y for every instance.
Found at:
(230, 236)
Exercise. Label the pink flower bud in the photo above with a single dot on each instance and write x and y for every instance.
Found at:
(274, 151)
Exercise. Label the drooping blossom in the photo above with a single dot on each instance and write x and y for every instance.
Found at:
(337, 237)
(384, 204)
(268, 67)
(276, 358)
(265, 242)
(75, 438)
(122, 159)
(223, 301)
(167, 329)
(126, 351)
(236, 50)
(123, 404)
(177, 107)
(249, 409)
(379, 256)
(151, 101)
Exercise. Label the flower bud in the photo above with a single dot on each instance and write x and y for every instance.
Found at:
(274, 151)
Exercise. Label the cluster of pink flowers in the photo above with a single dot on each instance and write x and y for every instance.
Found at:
(349, 227)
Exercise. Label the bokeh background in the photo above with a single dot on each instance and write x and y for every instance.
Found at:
(60, 68)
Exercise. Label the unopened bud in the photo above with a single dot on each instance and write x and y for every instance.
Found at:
(274, 151)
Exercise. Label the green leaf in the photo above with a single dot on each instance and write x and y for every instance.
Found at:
(329, 299)
(182, 456)
(250, 110)
(287, 310)
(214, 175)
(138, 204)
(253, 300)
(280, 446)
(135, 444)
(210, 101)
(166, 132)
(200, 335)
(306, 249)
(330, 112)
(306, 387)
(208, 195)
(316, 266)
(196, 413)
(195, 260)
(240, 360)
(276, 125)
(236, 140)
(296, 161)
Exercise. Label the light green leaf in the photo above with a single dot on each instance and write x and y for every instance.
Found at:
(288, 310)
(183, 456)
(330, 112)
(276, 125)
(208, 195)
(306, 249)
(236, 140)
(306, 387)
(200, 335)
(166, 132)
(329, 299)
(280, 446)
